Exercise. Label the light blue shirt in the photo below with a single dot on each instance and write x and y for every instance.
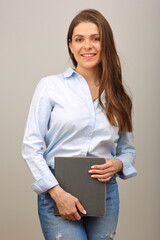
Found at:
(64, 121)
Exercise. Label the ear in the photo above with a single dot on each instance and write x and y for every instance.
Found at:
(70, 47)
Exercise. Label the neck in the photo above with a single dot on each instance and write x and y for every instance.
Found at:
(90, 75)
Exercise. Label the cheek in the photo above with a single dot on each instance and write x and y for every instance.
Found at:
(98, 48)
(73, 48)
(76, 49)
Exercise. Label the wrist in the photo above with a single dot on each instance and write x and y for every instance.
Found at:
(55, 192)
(120, 165)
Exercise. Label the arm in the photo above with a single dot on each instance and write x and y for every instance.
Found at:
(122, 163)
(33, 141)
(126, 153)
(32, 151)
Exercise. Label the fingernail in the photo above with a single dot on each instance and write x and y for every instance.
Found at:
(90, 171)
(84, 212)
(92, 166)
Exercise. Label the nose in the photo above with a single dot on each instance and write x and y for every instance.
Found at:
(87, 44)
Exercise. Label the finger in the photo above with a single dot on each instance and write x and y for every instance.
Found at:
(99, 166)
(80, 207)
(70, 216)
(104, 171)
(96, 171)
(104, 179)
(77, 216)
(104, 176)
(102, 166)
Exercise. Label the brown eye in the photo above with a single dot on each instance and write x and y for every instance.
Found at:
(78, 39)
(96, 39)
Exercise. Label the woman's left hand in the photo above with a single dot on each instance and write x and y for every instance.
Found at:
(104, 172)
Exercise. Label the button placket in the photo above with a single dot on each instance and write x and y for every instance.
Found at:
(91, 114)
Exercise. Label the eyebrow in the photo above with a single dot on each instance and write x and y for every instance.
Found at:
(80, 35)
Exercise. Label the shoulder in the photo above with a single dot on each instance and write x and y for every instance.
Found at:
(51, 79)
(57, 79)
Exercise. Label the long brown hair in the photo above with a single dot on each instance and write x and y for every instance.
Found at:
(118, 105)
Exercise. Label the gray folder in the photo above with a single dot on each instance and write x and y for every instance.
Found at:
(72, 175)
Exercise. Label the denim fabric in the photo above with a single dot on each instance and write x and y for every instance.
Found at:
(88, 228)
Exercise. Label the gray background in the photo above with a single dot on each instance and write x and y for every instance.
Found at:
(33, 45)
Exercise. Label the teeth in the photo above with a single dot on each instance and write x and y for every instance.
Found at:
(88, 55)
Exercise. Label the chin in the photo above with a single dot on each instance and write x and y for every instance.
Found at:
(90, 66)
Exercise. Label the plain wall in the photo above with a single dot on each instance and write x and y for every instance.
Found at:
(33, 45)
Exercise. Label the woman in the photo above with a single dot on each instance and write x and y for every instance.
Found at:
(83, 112)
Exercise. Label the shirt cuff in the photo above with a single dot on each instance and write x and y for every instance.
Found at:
(128, 169)
(44, 184)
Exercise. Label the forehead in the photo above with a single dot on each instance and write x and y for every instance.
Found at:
(86, 28)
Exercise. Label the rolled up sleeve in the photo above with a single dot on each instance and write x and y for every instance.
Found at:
(33, 142)
(126, 152)
(44, 184)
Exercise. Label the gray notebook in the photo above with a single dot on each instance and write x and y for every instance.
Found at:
(72, 175)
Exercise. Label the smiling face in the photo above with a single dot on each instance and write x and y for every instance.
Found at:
(85, 45)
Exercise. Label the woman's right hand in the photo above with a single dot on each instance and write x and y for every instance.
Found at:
(68, 205)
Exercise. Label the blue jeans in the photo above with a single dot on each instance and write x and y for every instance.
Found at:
(88, 228)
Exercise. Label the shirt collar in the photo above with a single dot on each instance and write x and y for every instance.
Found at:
(68, 73)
